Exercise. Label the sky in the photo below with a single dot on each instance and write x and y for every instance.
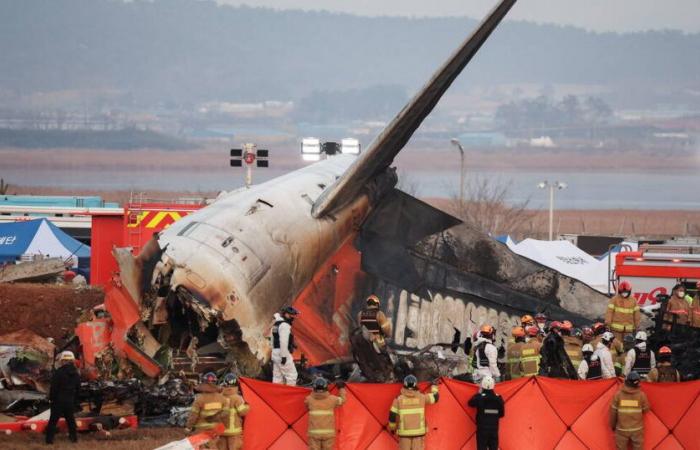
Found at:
(595, 15)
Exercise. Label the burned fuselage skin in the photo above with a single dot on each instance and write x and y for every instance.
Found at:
(252, 251)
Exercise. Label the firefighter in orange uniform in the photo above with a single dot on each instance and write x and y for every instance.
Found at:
(677, 309)
(235, 408)
(695, 309)
(627, 414)
(572, 344)
(530, 353)
(321, 405)
(374, 322)
(664, 372)
(623, 316)
(514, 353)
(407, 415)
(207, 406)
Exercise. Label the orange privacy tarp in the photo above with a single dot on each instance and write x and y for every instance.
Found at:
(541, 413)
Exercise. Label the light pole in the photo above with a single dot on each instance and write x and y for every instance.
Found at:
(458, 144)
(552, 186)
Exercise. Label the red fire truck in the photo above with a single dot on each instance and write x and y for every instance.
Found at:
(655, 269)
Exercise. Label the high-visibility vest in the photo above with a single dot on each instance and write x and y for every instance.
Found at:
(410, 413)
(235, 407)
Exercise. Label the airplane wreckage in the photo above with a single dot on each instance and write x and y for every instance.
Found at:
(321, 239)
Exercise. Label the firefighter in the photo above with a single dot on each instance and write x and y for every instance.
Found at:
(617, 350)
(639, 359)
(677, 309)
(207, 407)
(321, 405)
(375, 326)
(664, 372)
(489, 410)
(283, 369)
(586, 335)
(485, 359)
(572, 344)
(598, 330)
(235, 408)
(530, 354)
(527, 321)
(63, 395)
(407, 414)
(627, 414)
(589, 369)
(541, 322)
(622, 315)
(515, 353)
(694, 312)
(604, 354)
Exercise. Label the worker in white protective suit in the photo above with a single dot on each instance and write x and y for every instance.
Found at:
(607, 366)
(485, 360)
(282, 341)
(639, 359)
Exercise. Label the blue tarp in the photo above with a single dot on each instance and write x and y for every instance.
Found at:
(38, 237)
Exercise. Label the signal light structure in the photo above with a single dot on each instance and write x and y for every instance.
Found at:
(251, 156)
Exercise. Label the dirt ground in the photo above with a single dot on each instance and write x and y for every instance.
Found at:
(140, 439)
(47, 309)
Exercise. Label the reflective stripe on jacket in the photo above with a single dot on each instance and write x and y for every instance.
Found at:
(321, 406)
(407, 414)
(234, 408)
(627, 409)
(623, 314)
(530, 358)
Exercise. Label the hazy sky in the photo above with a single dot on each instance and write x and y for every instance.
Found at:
(599, 15)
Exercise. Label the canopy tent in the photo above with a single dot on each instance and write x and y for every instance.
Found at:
(566, 258)
(38, 237)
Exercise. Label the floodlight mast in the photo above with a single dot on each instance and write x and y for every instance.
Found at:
(559, 185)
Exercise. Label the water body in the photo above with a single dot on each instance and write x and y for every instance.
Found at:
(586, 190)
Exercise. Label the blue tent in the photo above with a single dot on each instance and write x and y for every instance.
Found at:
(39, 237)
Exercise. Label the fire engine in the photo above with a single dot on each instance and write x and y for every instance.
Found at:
(655, 269)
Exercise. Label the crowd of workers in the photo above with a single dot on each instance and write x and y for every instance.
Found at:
(614, 347)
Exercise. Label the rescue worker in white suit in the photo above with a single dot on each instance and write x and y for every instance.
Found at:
(603, 352)
(639, 359)
(282, 341)
(485, 361)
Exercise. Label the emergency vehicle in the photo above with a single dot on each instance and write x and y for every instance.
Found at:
(655, 269)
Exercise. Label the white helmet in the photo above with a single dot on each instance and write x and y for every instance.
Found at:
(641, 336)
(587, 348)
(487, 383)
(67, 356)
(608, 336)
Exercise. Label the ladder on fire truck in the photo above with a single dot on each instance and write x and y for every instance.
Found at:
(135, 233)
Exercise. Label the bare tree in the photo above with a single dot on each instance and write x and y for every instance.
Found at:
(485, 207)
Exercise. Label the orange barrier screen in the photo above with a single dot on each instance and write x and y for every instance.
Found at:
(541, 413)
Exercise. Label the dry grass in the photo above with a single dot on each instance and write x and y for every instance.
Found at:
(140, 439)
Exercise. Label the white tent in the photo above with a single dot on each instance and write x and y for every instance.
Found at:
(566, 258)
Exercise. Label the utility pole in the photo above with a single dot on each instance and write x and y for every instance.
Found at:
(458, 144)
(552, 186)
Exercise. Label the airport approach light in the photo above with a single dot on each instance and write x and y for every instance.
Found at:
(313, 148)
(250, 155)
